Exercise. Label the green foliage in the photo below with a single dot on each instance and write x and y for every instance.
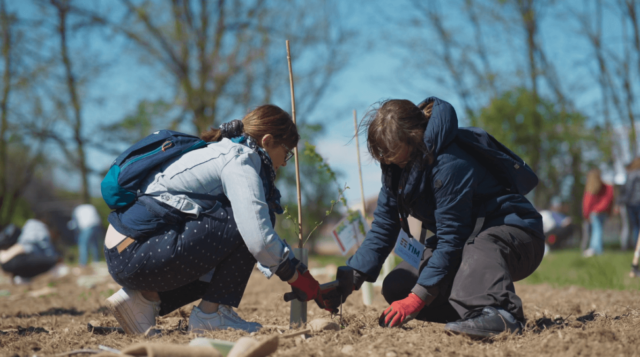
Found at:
(323, 260)
(316, 224)
(310, 151)
(102, 208)
(564, 268)
(21, 212)
(558, 143)
(318, 187)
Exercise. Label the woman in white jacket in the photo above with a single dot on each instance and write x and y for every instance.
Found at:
(171, 249)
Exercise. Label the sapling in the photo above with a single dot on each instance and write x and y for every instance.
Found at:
(317, 224)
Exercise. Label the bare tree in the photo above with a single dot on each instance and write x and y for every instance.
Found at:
(79, 158)
(615, 69)
(6, 91)
(18, 161)
(225, 55)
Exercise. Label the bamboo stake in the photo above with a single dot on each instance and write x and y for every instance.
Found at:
(295, 150)
(355, 124)
(367, 288)
(298, 311)
(636, 258)
(388, 263)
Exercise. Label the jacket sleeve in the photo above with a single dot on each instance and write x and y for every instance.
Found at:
(608, 198)
(243, 187)
(587, 200)
(453, 192)
(625, 191)
(380, 239)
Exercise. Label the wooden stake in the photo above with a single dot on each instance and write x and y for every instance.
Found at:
(388, 263)
(367, 288)
(295, 150)
(636, 258)
(355, 124)
(298, 311)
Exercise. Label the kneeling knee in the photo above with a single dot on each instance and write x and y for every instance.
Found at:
(398, 284)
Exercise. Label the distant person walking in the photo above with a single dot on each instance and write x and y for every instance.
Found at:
(596, 205)
(86, 220)
(621, 209)
(32, 254)
(631, 199)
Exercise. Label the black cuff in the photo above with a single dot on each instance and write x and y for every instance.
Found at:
(426, 293)
(358, 279)
(287, 269)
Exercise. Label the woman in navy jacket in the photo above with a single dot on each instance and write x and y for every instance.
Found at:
(485, 236)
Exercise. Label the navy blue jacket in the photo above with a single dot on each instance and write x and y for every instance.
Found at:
(447, 197)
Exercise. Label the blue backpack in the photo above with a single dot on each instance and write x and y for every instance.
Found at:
(507, 167)
(121, 185)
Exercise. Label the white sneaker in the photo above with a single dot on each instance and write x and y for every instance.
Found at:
(221, 320)
(134, 313)
(588, 253)
(18, 280)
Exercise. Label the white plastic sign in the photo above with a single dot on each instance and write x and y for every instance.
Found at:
(350, 230)
(409, 249)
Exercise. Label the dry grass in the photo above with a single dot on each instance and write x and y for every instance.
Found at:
(562, 322)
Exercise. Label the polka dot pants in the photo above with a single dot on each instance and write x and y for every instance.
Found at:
(173, 262)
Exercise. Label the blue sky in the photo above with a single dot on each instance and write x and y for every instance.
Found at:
(379, 71)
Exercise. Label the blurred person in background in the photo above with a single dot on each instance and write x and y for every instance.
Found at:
(620, 208)
(557, 228)
(630, 198)
(31, 255)
(174, 248)
(596, 205)
(86, 221)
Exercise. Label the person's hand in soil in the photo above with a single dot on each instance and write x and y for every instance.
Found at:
(401, 311)
(349, 280)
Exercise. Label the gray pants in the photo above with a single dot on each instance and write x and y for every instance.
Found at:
(491, 263)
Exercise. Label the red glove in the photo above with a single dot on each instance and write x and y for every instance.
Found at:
(401, 311)
(305, 287)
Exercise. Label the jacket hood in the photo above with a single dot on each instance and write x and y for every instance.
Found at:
(443, 125)
(440, 132)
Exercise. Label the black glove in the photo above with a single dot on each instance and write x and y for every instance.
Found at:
(349, 280)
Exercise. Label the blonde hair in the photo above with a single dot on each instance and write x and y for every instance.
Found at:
(594, 182)
(634, 165)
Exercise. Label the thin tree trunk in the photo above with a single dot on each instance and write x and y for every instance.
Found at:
(628, 91)
(632, 12)
(63, 9)
(627, 84)
(4, 103)
(529, 20)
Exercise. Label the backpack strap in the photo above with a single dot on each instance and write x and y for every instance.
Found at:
(197, 196)
(423, 234)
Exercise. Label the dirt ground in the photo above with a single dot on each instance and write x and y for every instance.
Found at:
(50, 317)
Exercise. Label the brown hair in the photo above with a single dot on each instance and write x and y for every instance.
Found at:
(594, 182)
(394, 124)
(263, 120)
(634, 165)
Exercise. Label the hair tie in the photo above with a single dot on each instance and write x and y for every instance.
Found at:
(232, 129)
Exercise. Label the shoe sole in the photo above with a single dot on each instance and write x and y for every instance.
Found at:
(475, 333)
(122, 316)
